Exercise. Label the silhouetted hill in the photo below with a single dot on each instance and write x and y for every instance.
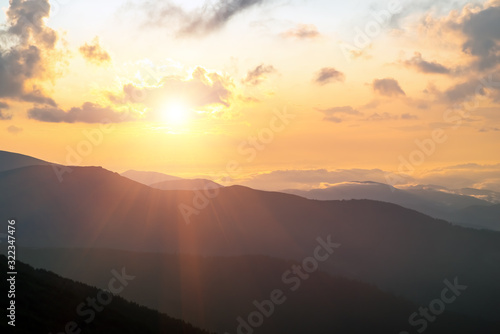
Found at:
(10, 160)
(212, 292)
(186, 184)
(399, 250)
(434, 201)
(46, 303)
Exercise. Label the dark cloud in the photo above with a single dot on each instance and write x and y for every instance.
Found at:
(464, 90)
(208, 18)
(302, 31)
(94, 53)
(425, 66)
(37, 97)
(14, 129)
(387, 87)
(477, 88)
(24, 60)
(26, 21)
(258, 74)
(483, 36)
(327, 75)
(87, 113)
(4, 115)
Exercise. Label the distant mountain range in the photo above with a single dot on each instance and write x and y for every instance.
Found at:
(434, 201)
(148, 178)
(213, 292)
(399, 250)
(168, 182)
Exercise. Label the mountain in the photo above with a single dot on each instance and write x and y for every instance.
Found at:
(148, 178)
(186, 184)
(168, 182)
(9, 160)
(46, 302)
(437, 202)
(488, 216)
(213, 292)
(399, 250)
(484, 194)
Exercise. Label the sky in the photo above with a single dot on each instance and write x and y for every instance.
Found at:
(271, 93)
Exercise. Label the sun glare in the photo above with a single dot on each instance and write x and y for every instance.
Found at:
(176, 114)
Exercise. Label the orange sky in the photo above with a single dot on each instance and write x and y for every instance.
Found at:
(189, 91)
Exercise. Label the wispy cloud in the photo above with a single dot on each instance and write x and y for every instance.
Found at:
(94, 53)
(328, 75)
(302, 31)
(425, 66)
(14, 129)
(4, 115)
(387, 87)
(87, 113)
(258, 74)
(204, 20)
(334, 114)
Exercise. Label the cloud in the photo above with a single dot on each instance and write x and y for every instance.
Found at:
(87, 113)
(462, 91)
(3, 115)
(478, 88)
(451, 177)
(258, 74)
(201, 90)
(331, 113)
(26, 21)
(302, 31)
(464, 176)
(489, 129)
(37, 97)
(94, 53)
(204, 20)
(387, 87)
(14, 129)
(475, 28)
(382, 117)
(408, 116)
(310, 179)
(327, 75)
(482, 31)
(29, 55)
(425, 66)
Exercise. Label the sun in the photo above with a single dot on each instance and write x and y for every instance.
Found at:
(175, 114)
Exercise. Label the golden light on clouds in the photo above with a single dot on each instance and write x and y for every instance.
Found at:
(222, 76)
